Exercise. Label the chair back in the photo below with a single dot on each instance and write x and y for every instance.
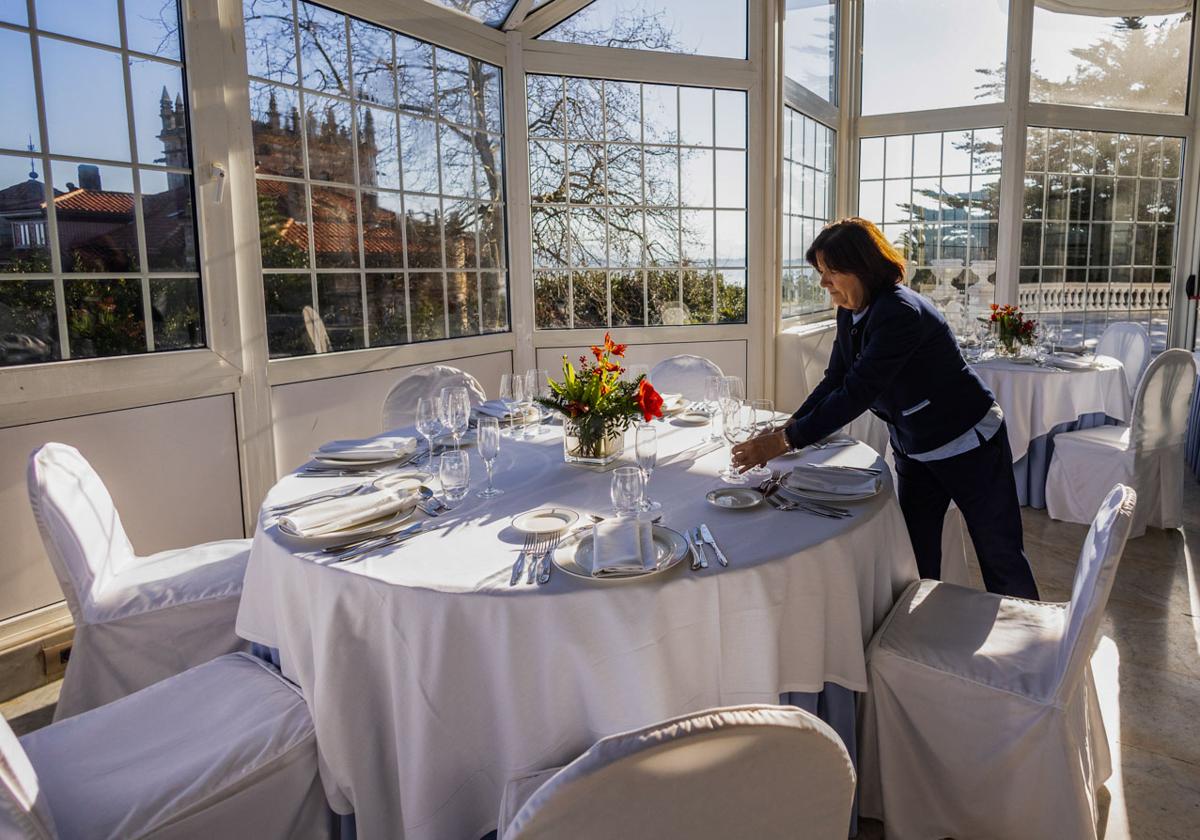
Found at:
(79, 523)
(675, 315)
(1163, 401)
(23, 810)
(1093, 581)
(683, 374)
(400, 405)
(1129, 343)
(746, 771)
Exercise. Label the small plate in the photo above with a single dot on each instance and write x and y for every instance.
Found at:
(549, 520)
(819, 496)
(675, 406)
(574, 556)
(734, 498)
(374, 527)
(692, 418)
(365, 463)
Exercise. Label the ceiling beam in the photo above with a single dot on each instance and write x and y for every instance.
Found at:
(516, 14)
(550, 15)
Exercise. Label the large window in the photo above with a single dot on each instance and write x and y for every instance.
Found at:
(810, 46)
(1100, 222)
(639, 203)
(380, 183)
(97, 235)
(704, 27)
(938, 198)
(807, 205)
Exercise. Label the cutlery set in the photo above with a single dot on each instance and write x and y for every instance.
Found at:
(770, 490)
(533, 561)
(698, 539)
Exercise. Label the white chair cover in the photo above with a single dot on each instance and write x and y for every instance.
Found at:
(683, 374)
(1129, 343)
(400, 405)
(226, 749)
(1147, 455)
(24, 812)
(744, 771)
(981, 718)
(138, 620)
(676, 315)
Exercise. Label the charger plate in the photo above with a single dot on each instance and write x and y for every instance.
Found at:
(574, 555)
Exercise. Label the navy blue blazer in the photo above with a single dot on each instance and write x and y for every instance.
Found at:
(901, 362)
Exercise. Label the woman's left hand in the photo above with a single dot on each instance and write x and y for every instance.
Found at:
(757, 451)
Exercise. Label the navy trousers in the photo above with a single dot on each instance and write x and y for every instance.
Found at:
(981, 483)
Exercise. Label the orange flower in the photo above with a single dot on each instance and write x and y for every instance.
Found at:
(612, 347)
(648, 400)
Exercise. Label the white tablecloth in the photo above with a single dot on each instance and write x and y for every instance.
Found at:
(1036, 399)
(431, 681)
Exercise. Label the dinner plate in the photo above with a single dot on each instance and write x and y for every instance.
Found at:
(574, 556)
(676, 406)
(548, 520)
(374, 527)
(332, 459)
(734, 498)
(820, 496)
(692, 418)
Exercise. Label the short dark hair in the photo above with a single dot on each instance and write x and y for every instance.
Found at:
(855, 246)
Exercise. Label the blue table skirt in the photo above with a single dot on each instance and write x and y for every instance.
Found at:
(837, 706)
(1030, 471)
(1192, 448)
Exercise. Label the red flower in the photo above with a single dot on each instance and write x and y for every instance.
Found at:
(598, 352)
(612, 347)
(648, 400)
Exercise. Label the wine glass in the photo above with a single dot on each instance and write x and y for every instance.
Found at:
(737, 423)
(454, 473)
(489, 448)
(763, 412)
(428, 425)
(646, 447)
(506, 394)
(626, 490)
(458, 413)
(528, 406)
(712, 405)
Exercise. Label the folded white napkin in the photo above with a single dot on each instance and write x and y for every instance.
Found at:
(338, 514)
(1069, 363)
(623, 545)
(842, 483)
(497, 409)
(673, 402)
(369, 449)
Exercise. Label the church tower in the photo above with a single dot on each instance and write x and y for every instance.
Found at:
(174, 138)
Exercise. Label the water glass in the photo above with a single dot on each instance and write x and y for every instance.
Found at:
(489, 448)
(626, 490)
(763, 412)
(646, 448)
(712, 405)
(458, 413)
(737, 423)
(428, 425)
(454, 473)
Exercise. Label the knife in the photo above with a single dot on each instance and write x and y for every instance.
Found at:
(411, 530)
(698, 543)
(708, 538)
(687, 535)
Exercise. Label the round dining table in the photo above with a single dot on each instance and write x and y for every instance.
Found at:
(432, 680)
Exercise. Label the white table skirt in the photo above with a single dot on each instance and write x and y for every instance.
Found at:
(431, 681)
(1036, 399)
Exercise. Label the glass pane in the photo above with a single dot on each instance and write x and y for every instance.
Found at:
(458, 171)
(339, 302)
(374, 64)
(625, 237)
(731, 118)
(623, 112)
(291, 316)
(176, 310)
(587, 237)
(13, 11)
(923, 54)
(168, 220)
(104, 317)
(28, 322)
(696, 177)
(698, 236)
(462, 291)
(491, 12)
(585, 175)
(282, 224)
(666, 303)
(544, 97)
(152, 26)
(323, 49)
(418, 154)
(24, 246)
(18, 120)
(100, 104)
(627, 289)
(703, 27)
(383, 234)
(423, 228)
(698, 296)
(455, 100)
(459, 229)
(387, 323)
(270, 42)
(547, 171)
(810, 46)
(96, 227)
(551, 299)
(330, 151)
(275, 123)
(493, 290)
(91, 20)
(489, 166)
(335, 227)
(1132, 62)
(731, 238)
(695, 116)
(662, 175)
(414, 76)
(159, 113)
(660, 104)
(378, 149)
(549, 228)
(662, 237)
(427, 301)
(589, 294)
(585, 115)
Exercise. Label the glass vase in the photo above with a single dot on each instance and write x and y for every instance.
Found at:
(584, 448)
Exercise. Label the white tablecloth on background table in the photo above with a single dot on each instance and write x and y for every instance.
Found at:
(1036, 399)
(432, 682)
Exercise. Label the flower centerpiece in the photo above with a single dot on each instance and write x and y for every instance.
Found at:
(597, 405)
(1011, 328)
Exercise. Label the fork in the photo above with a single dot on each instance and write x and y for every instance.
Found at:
(544, 569)
(539, 545)
(519, 565)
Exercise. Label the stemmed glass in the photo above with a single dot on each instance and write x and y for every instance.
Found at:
(512, 394)
(763, 412)
(454, 473)
(712, 405)
(646, 447)
(537, 385)
(528, 386)
(737, 422)
(458, 413)
(626, 490)
(489, 448)
(428, 425)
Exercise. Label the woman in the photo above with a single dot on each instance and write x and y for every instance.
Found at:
(895, 355)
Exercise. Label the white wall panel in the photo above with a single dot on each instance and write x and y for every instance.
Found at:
(730, 356)
(172, 470)
(308, 414)
(801, 356)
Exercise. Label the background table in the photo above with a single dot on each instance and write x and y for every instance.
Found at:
(1041, 402)
(431, 681)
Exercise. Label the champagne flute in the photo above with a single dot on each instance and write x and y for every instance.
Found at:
(458, 413)
(428, 425)
(489, 448)
(763, 412)
(646, 447)
(454, 473)
(737, 423)
(626, 490)
(506, 395)
(712, 406)
(443, 406)
(528, 392)
(540, 390)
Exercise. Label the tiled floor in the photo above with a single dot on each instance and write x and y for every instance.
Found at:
(1152, 708)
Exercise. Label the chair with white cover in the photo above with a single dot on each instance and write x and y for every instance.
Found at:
(1129, 343)
(683, 374)
(400, 405)
(743, 771)
(981, 718)
(226, 749)
(1148, 454)
(138, 619)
